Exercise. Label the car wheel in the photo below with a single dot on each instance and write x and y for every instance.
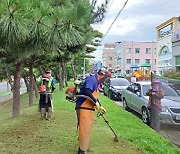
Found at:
(125, 106)
(145, 116)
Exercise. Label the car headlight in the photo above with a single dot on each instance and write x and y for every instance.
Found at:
(164, 109)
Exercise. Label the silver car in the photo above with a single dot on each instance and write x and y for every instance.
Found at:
(134, 97)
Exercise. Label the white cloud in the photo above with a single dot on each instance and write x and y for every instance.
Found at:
(137, 21)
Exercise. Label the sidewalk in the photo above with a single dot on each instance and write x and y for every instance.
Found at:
(9, 95)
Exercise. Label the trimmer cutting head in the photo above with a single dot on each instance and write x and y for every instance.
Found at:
(116, 139)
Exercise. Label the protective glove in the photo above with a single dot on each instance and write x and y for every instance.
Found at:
(100, 108)
(153, 93)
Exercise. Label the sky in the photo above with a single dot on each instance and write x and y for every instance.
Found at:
(137, 21)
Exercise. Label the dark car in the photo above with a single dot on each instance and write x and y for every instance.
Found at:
(114, 86)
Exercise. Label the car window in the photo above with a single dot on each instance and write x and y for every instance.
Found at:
(145, 89)
(137, 88)
(119, 82)
(131, 87)
(168, 91)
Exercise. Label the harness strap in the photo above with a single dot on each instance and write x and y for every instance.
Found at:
(85, 108)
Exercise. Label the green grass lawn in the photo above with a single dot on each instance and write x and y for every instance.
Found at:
(28, 134)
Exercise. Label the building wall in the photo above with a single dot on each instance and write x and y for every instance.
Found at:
(176, 55)
(164, 36)
(108, 59)
(164, 60)
(126, 55)
(176, 48)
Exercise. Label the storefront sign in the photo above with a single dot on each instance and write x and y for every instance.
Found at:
(165, 31)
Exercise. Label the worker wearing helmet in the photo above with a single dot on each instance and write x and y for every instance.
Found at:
(45, 90)
(85, 108)
(155, 94)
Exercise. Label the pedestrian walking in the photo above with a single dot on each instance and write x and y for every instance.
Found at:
(155, 94)
(85, 108)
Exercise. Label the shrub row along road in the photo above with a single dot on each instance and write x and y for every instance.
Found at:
(170, 132)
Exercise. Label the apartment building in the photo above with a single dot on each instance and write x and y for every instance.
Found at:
(129, 53)
(108, 57)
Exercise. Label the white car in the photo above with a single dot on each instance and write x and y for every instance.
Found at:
(134, 97)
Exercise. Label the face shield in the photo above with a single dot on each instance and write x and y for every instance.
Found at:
(105, 76)
(156, 85)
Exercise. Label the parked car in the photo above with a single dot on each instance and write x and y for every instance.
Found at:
(134, 97)
(114, 86)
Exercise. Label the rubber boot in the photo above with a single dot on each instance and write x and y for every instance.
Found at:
(43, 113)
(49, 113)
(81, 152)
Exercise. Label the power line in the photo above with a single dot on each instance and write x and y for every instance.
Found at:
(114, 20)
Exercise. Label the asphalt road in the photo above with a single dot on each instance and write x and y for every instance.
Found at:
(4, 87)
(170, 132)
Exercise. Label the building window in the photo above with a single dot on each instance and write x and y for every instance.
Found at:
(147, 61)
(137, 50)
(128, 71)
(155, 61)
(128, 50)
(148, 50)
(110, 58)
(128, 61)
(137, 61)
(177, 60)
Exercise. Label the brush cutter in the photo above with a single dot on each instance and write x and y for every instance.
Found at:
(70, 95)
(107, 122)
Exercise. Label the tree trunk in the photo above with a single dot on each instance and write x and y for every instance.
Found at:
(26, 82)
(16, 90)
(60, 75)
(35, 87)
(41, 70)
(73, 64)
(31, 85)
(63, 71)
(65, 76)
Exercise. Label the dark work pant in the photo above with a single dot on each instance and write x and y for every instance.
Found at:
(155, 118)
(45, 100)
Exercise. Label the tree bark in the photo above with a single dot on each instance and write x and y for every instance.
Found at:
(65, 75)
(25, 77)
(35, 87)
(16, 90)
(31, 85)
(41, 70)
(73, 64)
(60, 75)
